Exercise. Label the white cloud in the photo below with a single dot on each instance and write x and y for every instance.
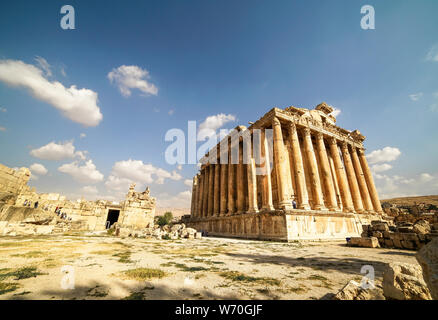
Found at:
(132, 77)
(125, 172)
(58, 151)
(336, 112)
(399, 186)
(171, 112)
(86, 173)
(188, 182)
(44, 65)
(89, 190)
(181, 200)
(416, 96)
(82, 135)
(211, 124)
(381, 167)
(78, 105)
(38, 169)
(426, 177)
(432, 55)
(386, 154)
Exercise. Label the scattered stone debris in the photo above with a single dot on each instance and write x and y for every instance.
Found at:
(404, 281)
(167, 232)
(354, 291)
(427, 257)
(404, 235)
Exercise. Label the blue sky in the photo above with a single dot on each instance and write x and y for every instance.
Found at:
(202, 59)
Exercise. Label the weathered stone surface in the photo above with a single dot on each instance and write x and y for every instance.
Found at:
(353, 291)
(421, 227)
(403, 281)
(428, 259)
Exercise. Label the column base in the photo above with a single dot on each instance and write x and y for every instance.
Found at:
(268, 208)
(252, 210)
(303, 206)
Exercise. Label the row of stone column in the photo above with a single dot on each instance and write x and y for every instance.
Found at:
(221, 189)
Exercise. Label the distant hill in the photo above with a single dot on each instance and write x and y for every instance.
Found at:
(410, 201)
(176, 212)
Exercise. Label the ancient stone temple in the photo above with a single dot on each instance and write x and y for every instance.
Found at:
(314, 184)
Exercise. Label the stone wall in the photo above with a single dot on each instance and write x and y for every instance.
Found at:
(284, 226)
(13, 181)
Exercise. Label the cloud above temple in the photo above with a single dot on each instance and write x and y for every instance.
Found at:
(387, 154)
(78, 105)
(432, 54)
(127, 78)
(38, 169)
(208, 128)
(416, 96)
(86, 173)
(180, 200)
(126, 172)
(58, 151)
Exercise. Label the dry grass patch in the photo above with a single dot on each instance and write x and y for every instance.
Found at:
(6, 287)
(238, 276)
(142, 274)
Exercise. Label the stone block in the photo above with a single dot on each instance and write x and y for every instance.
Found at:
(406, 244)
(389, 243)
(369, 242)
(403, 281)
(428, 259)
(377, 234)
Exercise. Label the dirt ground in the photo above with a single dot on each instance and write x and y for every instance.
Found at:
(105, 267)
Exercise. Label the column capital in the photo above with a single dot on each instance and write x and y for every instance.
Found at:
(319, 135)
(306, 131)
(275, 121)
(344, 145)
(361, 151)
(333, 140)
(292, 127)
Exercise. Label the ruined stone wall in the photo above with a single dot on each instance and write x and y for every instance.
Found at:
(13, 181)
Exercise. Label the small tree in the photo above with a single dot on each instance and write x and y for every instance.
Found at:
(168, 216)
(166, 219)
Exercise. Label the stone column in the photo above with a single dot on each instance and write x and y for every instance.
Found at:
(332, 203)
(200, 194)
(252, 186)
(303, 198)
(240, 183)
(206, 189)
(370, 181)
(217, 191)
(224, 189)
(342, 178)
(362, 182)
(352, 180)
(280, 166)
(231, 205)
(194, 191)
(210, 190)
(267, 184)
(315, 182)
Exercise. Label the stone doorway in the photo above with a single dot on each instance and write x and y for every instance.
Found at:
(113, 217)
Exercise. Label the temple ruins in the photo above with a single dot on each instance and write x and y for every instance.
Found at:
(317, 185)
(17, 202)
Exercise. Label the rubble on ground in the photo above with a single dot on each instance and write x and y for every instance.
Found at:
(166, 232)
(354, 291)
(404, 235)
